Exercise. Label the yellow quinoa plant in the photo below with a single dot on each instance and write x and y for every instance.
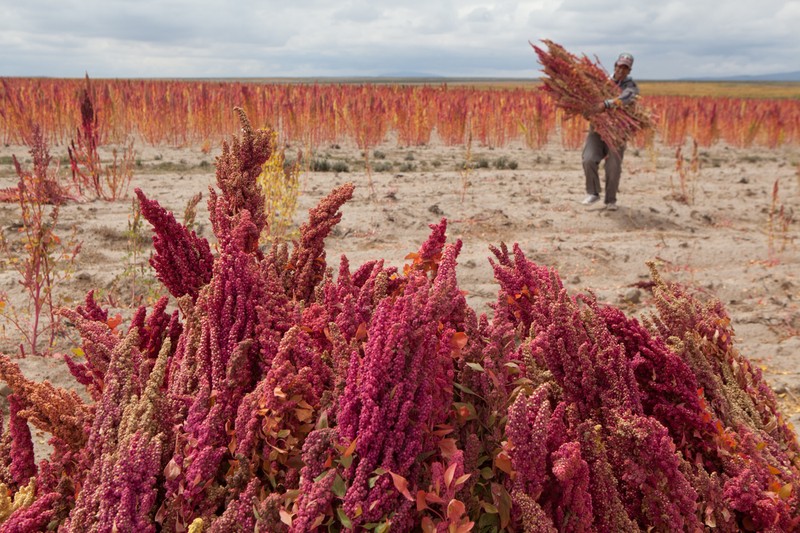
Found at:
(280, 184)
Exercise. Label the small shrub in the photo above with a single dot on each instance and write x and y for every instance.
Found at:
(505, 162)
(687, 175)
(320, 165)
(779, 221)
(40, 257)
(138, 279)
(340, 166)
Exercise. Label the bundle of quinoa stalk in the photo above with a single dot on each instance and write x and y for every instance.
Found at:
(577, 85)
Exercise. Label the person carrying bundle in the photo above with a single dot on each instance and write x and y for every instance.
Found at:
(595, 149)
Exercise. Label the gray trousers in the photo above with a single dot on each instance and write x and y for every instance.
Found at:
(594, 150)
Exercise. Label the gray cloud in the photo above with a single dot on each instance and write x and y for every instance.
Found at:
(211, 38)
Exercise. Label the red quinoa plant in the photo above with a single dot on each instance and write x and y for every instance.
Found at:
(279, 397)
(366, 122)
(105, 181)
(180, 112)
(577, 85)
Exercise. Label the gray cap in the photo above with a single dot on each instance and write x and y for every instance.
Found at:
(625, 59)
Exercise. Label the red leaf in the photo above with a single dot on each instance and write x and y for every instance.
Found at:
(401, 484)
(503, 462)
(449, 474)
(361, 333)
(161, 513)
(432, 497)
(350, 449)
(114, 321)
(461, 480)
(455, 510)
(443, 430)
(318, 521)
(286, 517)
(421, 503)
(448, 448)
(457, 342)
(172, 470)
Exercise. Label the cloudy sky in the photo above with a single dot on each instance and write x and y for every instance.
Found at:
(670, 39)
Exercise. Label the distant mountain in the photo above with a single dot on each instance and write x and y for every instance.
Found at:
(781, 76)
(407, 74)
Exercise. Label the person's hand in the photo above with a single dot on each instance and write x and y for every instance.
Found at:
(600, 107)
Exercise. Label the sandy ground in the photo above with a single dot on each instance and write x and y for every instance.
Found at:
(720, 241)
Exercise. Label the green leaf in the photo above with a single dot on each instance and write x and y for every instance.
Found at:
(476, 367)
(378, 473)
(489, 508)
(346, 461)
(464, 388)
(488, 522)
(339, 488)
(291, 495)
(424, 455)
(322, 421)
(343, 518)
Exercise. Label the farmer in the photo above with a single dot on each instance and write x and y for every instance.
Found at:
(595, 149)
